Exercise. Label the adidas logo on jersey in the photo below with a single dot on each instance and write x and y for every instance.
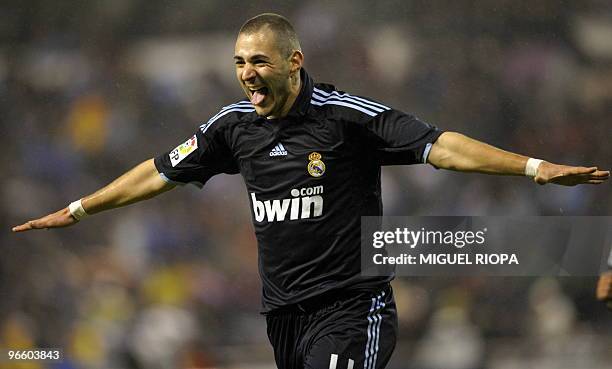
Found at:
(278, 150)
(305, 203)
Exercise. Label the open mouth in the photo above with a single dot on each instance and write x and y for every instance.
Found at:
(258, 95)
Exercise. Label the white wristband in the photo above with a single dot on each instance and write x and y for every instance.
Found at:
(531, 169)
(77, 211)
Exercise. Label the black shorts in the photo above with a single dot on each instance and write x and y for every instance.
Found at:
(340, 330)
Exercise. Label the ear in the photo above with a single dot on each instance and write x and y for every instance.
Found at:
(296, 60)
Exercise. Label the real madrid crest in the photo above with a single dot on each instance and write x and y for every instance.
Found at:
(316, 166)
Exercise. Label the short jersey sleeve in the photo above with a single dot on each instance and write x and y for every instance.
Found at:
(196, 160)
(401, 138)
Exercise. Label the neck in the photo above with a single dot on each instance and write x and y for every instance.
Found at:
(296, 84)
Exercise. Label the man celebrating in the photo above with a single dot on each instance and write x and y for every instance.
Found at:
(310, 156)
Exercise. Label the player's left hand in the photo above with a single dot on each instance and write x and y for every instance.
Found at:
(569, 176)
(604, 288)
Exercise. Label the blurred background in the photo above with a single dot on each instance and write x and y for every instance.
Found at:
(88, 89)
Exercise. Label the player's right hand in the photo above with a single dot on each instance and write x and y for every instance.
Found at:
(59, 219)
(604, 288)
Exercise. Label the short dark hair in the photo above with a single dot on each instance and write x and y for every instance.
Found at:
(286, 38)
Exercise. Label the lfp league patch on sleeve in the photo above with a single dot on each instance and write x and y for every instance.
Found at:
(183, 150)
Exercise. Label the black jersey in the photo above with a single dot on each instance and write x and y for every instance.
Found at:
(310, 176)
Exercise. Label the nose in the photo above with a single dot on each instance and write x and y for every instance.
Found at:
(248, 72)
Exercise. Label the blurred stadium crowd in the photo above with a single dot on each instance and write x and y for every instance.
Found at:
(89, 89)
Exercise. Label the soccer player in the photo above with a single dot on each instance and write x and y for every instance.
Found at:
(310, 156)
(604, 288)
(604, 285)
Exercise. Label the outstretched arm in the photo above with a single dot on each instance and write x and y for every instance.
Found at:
(455, 151)
(140, 183)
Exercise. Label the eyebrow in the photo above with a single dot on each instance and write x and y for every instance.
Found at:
(254, 57)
